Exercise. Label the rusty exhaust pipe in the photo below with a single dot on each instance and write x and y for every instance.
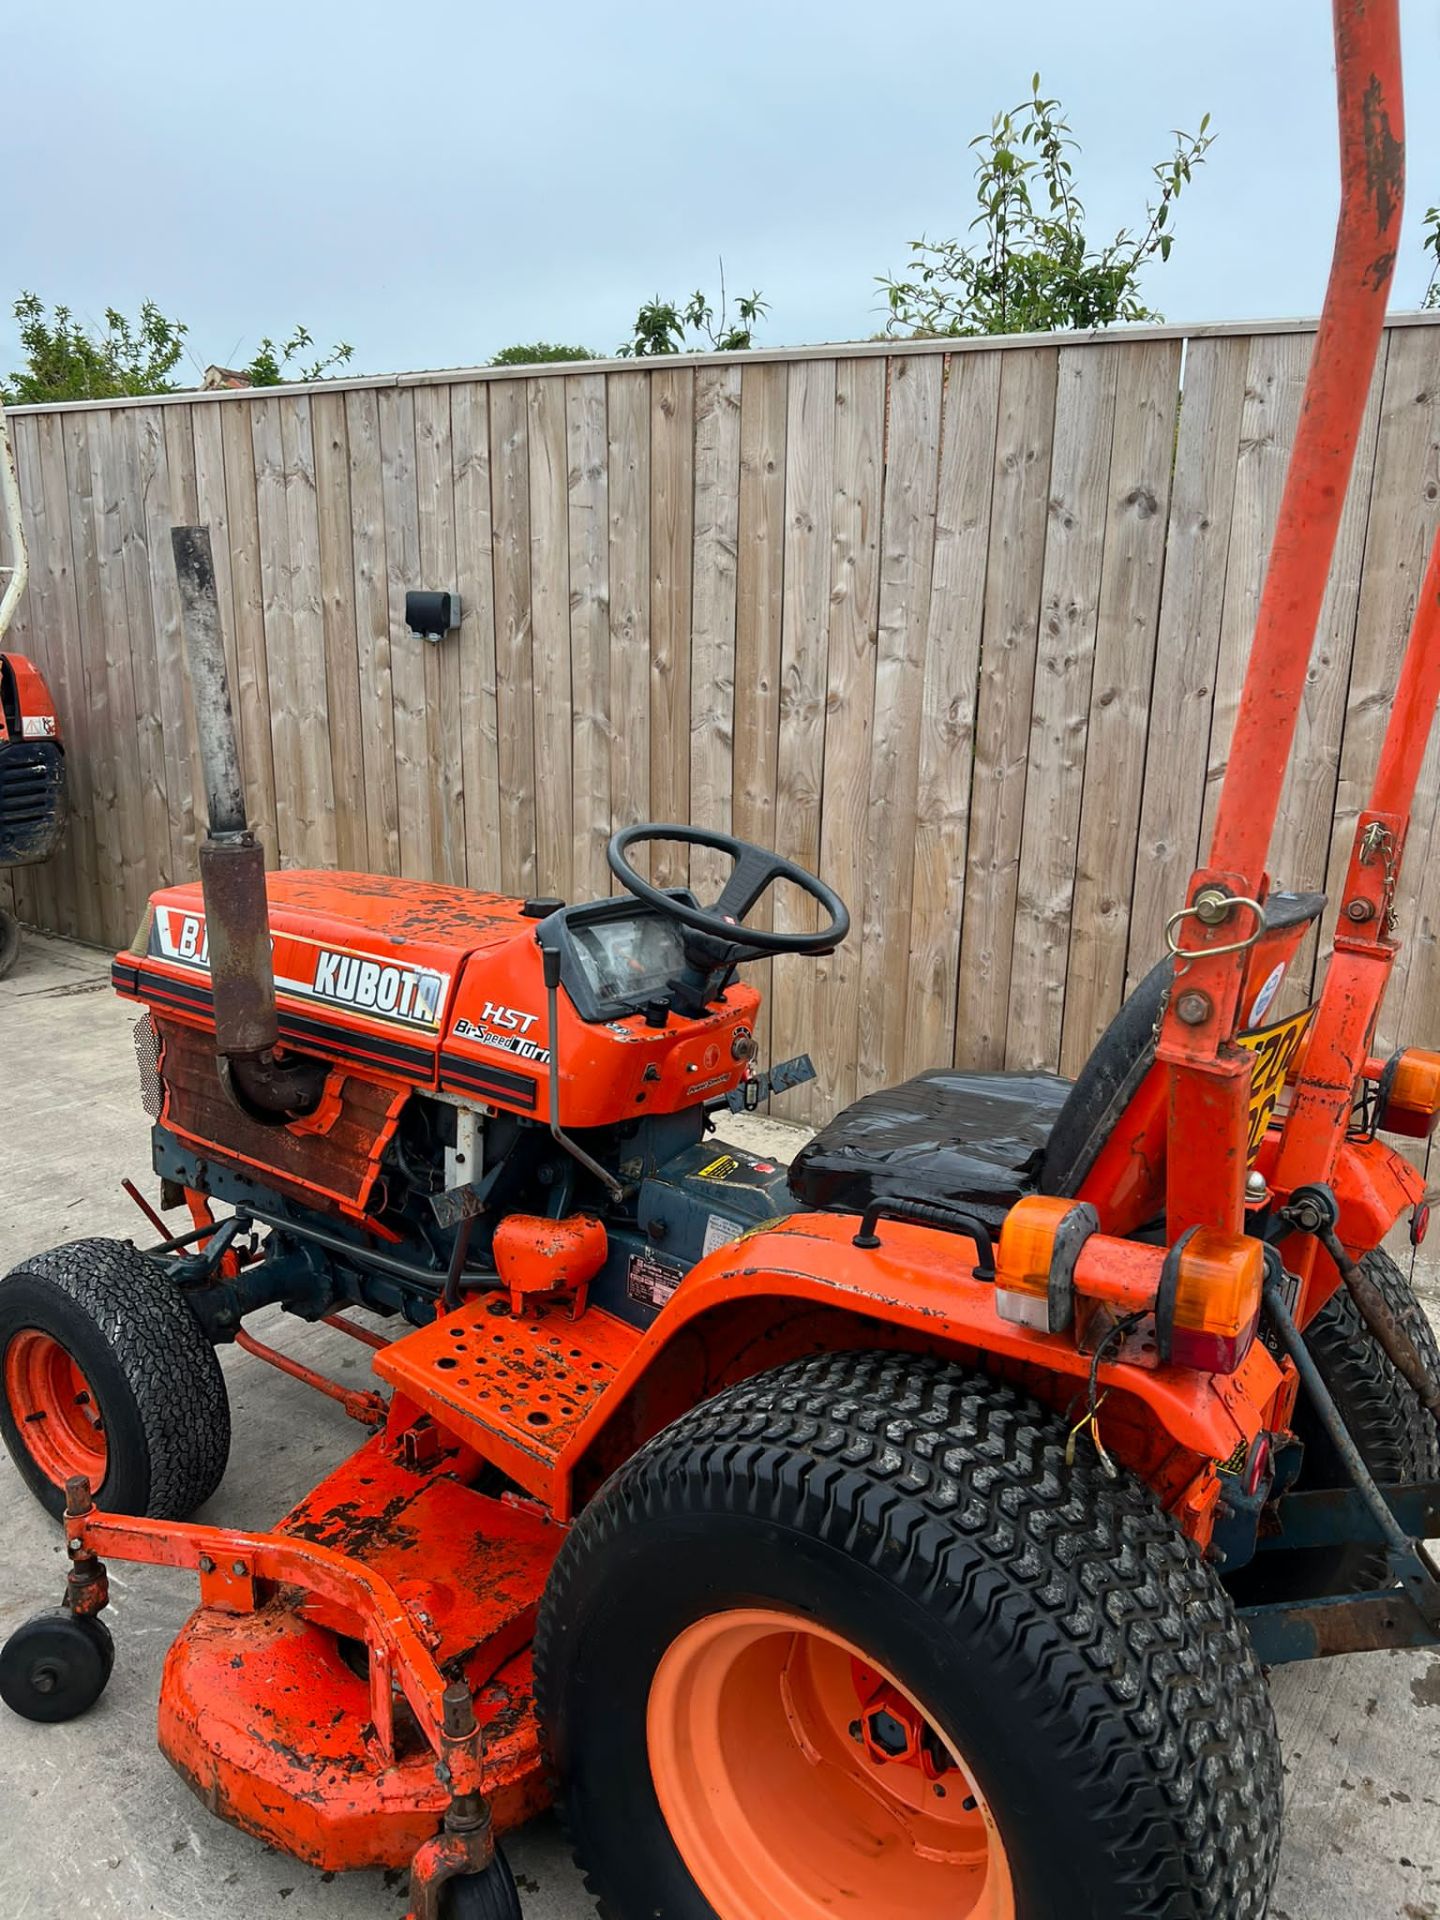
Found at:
(232, 868)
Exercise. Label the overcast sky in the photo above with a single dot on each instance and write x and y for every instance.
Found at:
(432, 180)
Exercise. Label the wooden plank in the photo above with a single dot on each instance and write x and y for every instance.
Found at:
(514, 652)
(372, 631)
(550, 621)
(31, 891)
(435, 487)
(247, 588)
(1010, 632)
(712, 624)
(102, 731)
(849, 708)
(804, 667)
(48, 888)
(672, 520)
(1141, 457)
(947, 719)
(182, 466)
(1188, 646)
(1301, 847)
(167, 500)
(139, 807)
(273, 525)
(1274, 387)
(135, 568)
(407, 664)
(759, 609)
(316, 812)
(41, 459)
(55, 559)
(1404, 515)
(588, 540)
(337, 610)
(474, 578)
(1069, 610)
(628, 567)
(907, 546)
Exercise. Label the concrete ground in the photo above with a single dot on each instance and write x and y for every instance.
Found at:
(92, 1820)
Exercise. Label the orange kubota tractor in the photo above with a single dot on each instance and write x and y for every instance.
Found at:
(903, 1539)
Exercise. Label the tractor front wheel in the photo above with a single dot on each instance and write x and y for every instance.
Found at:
(106, 1373)
(853, 1637)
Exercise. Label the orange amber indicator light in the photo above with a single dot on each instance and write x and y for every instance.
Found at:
(1024, 1257)
(1412, 1098)
(1217, 1301)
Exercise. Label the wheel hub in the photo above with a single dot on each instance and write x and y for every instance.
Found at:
(55, 1409)
(797, 1777)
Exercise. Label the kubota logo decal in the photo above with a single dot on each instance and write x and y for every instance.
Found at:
(180, 936)
(411, 994)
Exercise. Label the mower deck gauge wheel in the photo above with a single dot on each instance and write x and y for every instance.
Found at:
(483, 1896)
(56, 1666)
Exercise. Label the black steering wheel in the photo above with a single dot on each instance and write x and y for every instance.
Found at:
(756, 870)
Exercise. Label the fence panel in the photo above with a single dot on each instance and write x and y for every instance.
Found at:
(960, 625)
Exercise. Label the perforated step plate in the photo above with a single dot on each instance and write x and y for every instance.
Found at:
(517, 1390)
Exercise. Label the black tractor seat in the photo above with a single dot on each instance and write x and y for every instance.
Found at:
(976, 1140)
(983, 1140)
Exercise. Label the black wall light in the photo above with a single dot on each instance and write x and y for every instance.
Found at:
(432, 615)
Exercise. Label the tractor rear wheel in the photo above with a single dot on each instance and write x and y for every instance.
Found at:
(1398, 1440)
(852, 1636)
(106, 1373)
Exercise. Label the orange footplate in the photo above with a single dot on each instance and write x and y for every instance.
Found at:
(517, 1390)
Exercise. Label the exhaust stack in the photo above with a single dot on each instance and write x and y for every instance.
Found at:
(232, 867)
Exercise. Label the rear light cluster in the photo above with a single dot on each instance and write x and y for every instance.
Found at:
(1207, 1313)
(1199, 1301)
(1407, 1093)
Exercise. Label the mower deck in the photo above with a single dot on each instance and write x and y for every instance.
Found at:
(268, 1713)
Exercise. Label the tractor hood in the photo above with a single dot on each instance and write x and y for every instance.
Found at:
(359, 958)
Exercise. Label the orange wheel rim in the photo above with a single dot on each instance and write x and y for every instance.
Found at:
(53, 1407)
(799, 1779)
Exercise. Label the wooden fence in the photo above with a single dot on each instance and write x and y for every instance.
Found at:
(962, 629)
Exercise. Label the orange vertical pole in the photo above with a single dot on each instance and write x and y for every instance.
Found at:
(1209, 1077)
(1372, 175)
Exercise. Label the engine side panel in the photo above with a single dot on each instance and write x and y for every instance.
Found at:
(330, 1159)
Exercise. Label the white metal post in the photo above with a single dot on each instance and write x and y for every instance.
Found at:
(19, 572)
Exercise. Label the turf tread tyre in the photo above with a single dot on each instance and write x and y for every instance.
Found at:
(1397, 1439)
(155, 1374)
(1120, 1652)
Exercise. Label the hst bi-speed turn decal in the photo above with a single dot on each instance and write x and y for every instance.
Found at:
(407, 996)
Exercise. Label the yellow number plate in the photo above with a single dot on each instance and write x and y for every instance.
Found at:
(1274, 1049)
